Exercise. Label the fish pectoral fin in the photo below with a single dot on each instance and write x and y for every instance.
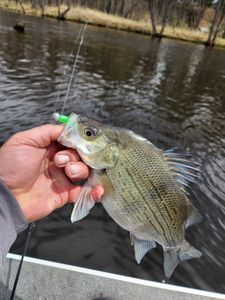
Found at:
(194, 216)
(141, 247)
(83, 204)
(172, 256)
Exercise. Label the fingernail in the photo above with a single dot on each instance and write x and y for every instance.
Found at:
(75, 170)
(97, 193)
(63, 159)
(100, 193)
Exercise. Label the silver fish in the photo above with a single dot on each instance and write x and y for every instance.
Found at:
(144, 187)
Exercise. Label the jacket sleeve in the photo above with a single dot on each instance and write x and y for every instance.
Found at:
(12, 220)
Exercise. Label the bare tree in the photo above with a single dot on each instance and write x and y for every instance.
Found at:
(199, 12)
(223, 35)
(42, 6)
(173, 12)
(216, 22)
(21, 5)
(62, 16)
(159, 13)
(189, 13)
(121, 8)
(180, 12)
(33, 3)
(108, 6)
(129, 9)
(195, 12)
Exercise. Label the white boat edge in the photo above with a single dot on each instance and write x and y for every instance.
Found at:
(122, 278)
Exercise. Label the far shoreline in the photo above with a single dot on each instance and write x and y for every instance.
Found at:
(96, 18)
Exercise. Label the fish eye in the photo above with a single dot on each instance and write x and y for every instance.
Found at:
(90, 132)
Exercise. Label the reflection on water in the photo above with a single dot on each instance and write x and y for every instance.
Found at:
(171, 92)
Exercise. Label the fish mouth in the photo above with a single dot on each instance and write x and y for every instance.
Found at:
(70, 135)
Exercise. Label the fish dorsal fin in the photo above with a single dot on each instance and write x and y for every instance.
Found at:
(141, 247)
(194, 216)
(83, 204)
(184, 169)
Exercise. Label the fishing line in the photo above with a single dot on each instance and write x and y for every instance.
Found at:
(30, 228)
(67, 65)
(74, 43)
(74, 67)
(32, 225)
(57, 100)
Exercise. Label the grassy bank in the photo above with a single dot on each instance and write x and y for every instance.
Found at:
(94, 17)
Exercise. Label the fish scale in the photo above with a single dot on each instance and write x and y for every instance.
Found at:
(144, 187)
(138, 160)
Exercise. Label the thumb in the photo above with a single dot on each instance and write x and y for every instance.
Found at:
(40, 137)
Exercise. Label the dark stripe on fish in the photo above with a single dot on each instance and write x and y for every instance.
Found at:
(156, 219)
(165, 206)
(159, 196)
(152, 224)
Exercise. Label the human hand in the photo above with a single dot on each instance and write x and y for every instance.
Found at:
(36, 170)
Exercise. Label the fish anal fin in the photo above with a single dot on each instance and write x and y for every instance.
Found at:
(132, 237)
(83, 204)
(171, 260)
(194, 216)
(141, 247)
(172, 256)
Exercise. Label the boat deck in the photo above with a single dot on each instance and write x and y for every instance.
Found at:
(41, 279)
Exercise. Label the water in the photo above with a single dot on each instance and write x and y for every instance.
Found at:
(171, 92)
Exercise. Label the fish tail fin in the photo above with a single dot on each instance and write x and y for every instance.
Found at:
(188, 252)
(173, 256)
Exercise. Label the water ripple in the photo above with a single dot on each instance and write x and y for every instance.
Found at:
(170, 92)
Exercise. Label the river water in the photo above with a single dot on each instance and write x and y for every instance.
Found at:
(168, 91)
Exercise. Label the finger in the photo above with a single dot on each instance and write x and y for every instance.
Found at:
(63, 157)
(61, 187)
(77, 170)
(74, 194)
(52, 150)
(97, 193)
(39, 137)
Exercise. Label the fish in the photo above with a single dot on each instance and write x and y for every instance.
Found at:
(145, 188)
